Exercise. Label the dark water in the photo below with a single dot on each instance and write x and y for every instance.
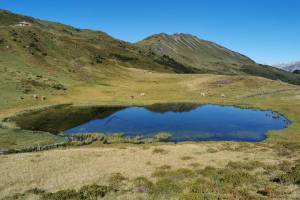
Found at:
(185, 122)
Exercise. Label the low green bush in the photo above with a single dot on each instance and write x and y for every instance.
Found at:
(93, 191)
(290, 177)
(201, 186)
(143, 185)
(116, 181)
(165, 187)
(62, 195)
(88, 192)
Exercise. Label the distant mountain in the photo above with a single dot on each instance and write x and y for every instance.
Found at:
(62, 54)
(209, 57)
(194, 52)
(291, 67)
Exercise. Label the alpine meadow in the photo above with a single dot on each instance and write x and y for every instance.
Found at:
(86, 116)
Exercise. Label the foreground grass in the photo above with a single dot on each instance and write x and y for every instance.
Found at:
(232, 171)
(217, 169)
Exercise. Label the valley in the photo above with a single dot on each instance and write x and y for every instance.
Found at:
(46, 64)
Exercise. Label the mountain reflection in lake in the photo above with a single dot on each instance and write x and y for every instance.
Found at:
(187, 122)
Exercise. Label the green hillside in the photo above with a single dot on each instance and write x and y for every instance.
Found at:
(47, 58)
(209, 57)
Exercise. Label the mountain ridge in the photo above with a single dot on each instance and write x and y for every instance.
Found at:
(209, 57)
(192, 51)
(87, 55)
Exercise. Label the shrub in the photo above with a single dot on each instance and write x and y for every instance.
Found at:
(62, 195)
(93, 191)
(143, 185)
(201, 186)
(90, 192)
(116, 181)
(290, 177)
(165, 187)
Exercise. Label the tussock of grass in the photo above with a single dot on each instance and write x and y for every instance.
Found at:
(186, 158)
(212, 150)
(143, 185)
(159, 151)
(195, 165)
(116, 181)
(165, 188)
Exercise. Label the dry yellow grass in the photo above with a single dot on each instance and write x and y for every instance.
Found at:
(72, 168)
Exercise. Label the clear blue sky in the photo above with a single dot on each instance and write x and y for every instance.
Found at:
(268, 31)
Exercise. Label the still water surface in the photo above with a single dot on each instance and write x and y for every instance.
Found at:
(187, 123)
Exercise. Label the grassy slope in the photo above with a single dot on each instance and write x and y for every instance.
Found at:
(192, 51)
(41, 58)
(209, 57)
